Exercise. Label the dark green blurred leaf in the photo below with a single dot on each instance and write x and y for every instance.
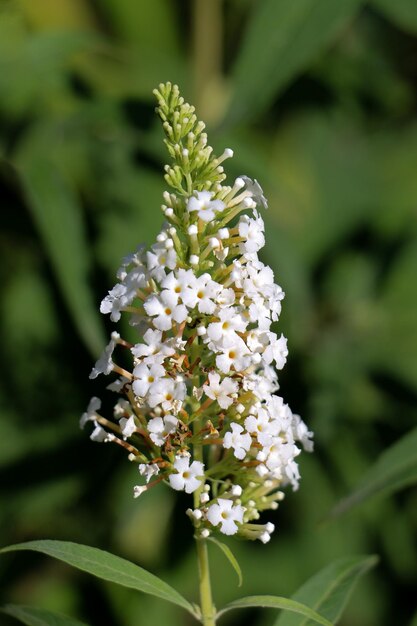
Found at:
(59, 218)
(33, 616)
(402, 12)
(393, 317)
(274, 602)
(33, 66)
(395, 469)
(105, 566)
(329, 590)
(150, 29)
(282, 38)
(230, 556)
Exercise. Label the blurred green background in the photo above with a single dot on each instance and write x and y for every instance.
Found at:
(318, 99)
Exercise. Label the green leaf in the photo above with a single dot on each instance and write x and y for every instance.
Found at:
(230, 556)
(395, 469)
(329, 590)
(394, 317)
(32, 616)
(274, 602)
(402, 12)
(281, 40)
(106, 566)
(59, 219)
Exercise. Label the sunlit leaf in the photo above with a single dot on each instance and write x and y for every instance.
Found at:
(329, 590)
(230, 556)
(32, 616)
(281, 39)
(105, 566)
(395, 469)
(274, 602)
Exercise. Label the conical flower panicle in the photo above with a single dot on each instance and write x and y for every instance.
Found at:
(198, 407)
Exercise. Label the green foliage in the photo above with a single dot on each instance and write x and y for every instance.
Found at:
(230, 557)
(321, 108)
(402, 12)
(281, 40)
(329, 590)
(32, 616)
(106, 566)
(272, 602)
(395, 469)
(59, 219)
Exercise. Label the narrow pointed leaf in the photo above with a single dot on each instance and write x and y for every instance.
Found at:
(106, 566)
(395, 469)
(58, 217)
(32, 616)
(281, 40)
(329, 590)
(230, 556)
(275, 602)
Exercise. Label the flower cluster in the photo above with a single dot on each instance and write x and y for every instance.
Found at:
(199, 408)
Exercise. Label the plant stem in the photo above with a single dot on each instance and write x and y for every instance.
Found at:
(208, 611)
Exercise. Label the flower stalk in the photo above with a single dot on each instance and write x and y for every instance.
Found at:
(208, 610)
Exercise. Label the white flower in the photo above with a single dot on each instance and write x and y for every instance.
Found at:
(99, 434)
(159, 428)
(188, 477)
(259, 313)
(164, 310)
(230, 322)
(202, 293)
(148, 470)
(122, 408)
(127, 426)
(274, 301)
(118, 384)
(226, 297)
(104, 365)
(114, 302)
(154, 349)
(301, 433)
(220, 391)
(240, 443)
(161, 258)
(89, 415)
(145, 377)
(206, 207)
(279, 459)
(258, 280)
(257, 340)
(276, 351)
(167, 392)
(234, 354)
(252, 231)
(255, 190)
(227, 514)
(260, 424)
(175, 283)
(138, 490)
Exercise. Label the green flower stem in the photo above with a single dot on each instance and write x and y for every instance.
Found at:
(208, 610)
